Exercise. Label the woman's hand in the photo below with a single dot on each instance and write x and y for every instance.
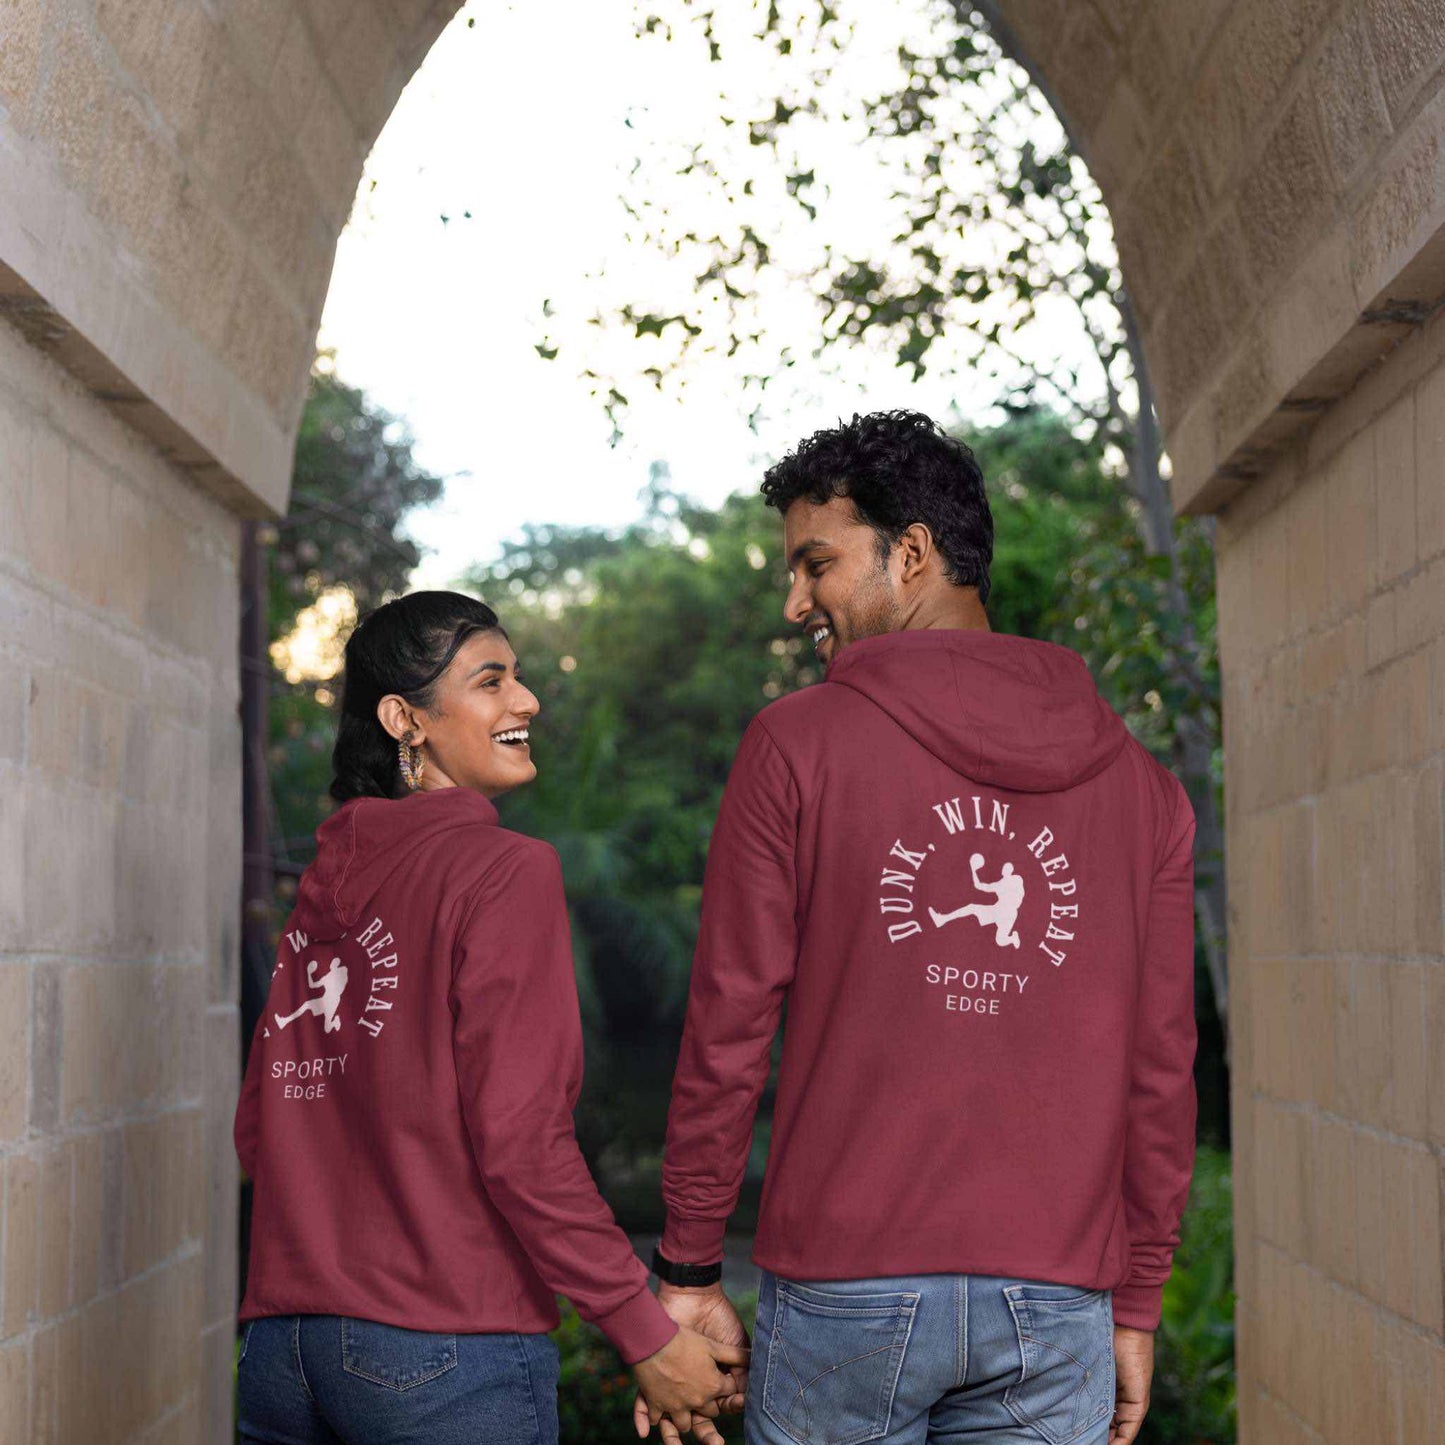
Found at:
(682, 1379)
(709, 1311)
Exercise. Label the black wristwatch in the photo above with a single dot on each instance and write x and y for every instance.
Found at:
(685, 1276)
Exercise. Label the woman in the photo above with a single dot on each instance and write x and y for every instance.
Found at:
(406, 1116)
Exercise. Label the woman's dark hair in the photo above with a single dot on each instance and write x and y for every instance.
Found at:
(897, 468)
(403, 646)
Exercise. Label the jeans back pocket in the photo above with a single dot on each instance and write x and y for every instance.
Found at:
(833, 1362)
(398, 1358)
(1066, 1346)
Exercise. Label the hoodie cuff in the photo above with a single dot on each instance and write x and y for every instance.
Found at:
(639, 1327)
(1138, 1306)
(693, 1241)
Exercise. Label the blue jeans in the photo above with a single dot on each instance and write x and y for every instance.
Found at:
(932, 1357)
(326, 1380)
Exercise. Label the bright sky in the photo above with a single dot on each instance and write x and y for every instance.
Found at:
(530, 119)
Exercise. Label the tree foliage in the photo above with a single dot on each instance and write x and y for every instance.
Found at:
(987, 245)
(354, 482)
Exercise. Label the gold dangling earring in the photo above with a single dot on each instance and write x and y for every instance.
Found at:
(411, 762)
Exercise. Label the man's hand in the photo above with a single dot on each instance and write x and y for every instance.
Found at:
(710, 1312)
(1133, 1371)
(682, 1379)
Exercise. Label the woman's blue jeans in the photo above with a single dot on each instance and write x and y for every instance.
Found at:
(931, 1358)
(327, 1380)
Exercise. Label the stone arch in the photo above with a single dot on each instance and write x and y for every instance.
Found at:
(173, 177)
(1273, 169)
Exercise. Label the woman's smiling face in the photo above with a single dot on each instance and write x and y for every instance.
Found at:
(476, 732)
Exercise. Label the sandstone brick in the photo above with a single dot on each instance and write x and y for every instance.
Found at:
(360, 57)
(1411, 1285)
(1427, 937)
(1266, 42)
(1269, 580)
(24, 30)
(1408, 40)
(75, 89)
(88, 1220)
(1397, 217)
(1395, 490)
(222, 1172)
(1370, 1206)
(1187, 338)
(1286, 190)
(15, 480)
(1227, 272)
(218, 1356)
(1422, 1367)
(110, 1061)
(1167, 216)
(1308, 578)
(1220, 110)
(1430, 465)
(18, 1289)
(1332, 1160)
(45, 1386)
(67, 865)
(190, 55)
(93, 1404)
(1420, 609)
(332, 153)
(255, 29)
(1380, 644)
(15, 1392)
(1362, 1044)
(1353, 115)
(163, 1183)
(56, 1192)
(133, 31)
(14, 1048)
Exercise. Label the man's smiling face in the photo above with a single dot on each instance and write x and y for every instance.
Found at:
(841, 589)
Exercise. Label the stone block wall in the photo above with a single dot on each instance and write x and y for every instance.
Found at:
(119, 889)
(1332, 643)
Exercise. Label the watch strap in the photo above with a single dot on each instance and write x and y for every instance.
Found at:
(686, 1276)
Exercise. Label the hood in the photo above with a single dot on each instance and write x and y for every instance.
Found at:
(360, 846)
(1009, 711)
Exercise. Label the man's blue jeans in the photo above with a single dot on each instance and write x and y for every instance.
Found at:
(325, 1380)
(931, 1358)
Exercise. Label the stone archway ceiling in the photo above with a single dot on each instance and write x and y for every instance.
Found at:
(1273, 168)
(173, 179)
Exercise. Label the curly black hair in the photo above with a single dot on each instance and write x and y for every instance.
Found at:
(897, 468)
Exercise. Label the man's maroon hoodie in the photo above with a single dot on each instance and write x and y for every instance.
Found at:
(974, 889)
(407, 1108)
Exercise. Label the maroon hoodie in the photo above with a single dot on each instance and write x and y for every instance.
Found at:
(974, 890)
(407, 1109)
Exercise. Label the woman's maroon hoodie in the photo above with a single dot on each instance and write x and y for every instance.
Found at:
(407, 1108)
(974, 890)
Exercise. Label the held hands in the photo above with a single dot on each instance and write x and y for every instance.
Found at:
(705, 1315)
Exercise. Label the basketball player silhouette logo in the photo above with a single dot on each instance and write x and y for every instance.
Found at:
(332, 984)
(1008, 892)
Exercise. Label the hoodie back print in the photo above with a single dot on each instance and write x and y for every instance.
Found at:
(974, 889)
(406, 1115)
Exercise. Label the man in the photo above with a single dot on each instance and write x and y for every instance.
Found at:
(984, 1134)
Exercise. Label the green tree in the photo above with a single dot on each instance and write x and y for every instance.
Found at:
(650, 651)
(353, 483)
(992, 221)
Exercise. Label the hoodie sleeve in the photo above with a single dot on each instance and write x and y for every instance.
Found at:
(1159, 1148)
(747, 950)
(517, 1041)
